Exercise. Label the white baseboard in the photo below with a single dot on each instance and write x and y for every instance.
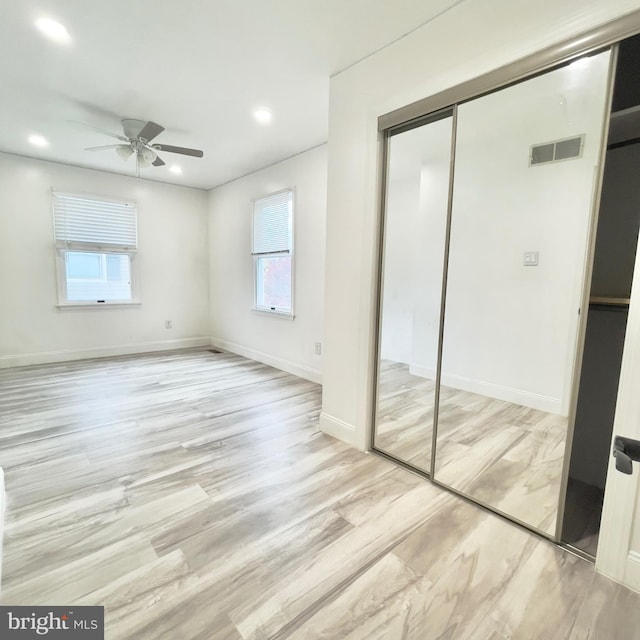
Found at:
(508, 394)
(296, 369)
(422, 371)
(66, 355)
(339, 429)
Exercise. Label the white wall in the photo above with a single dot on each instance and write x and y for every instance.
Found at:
(415, 235)
(278, 341)
(415, 228)
(511, 330)
(400, 269)
(470, 39)
(172, 262)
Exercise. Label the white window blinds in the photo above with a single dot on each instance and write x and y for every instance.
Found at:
(88, 222)
(272, 224)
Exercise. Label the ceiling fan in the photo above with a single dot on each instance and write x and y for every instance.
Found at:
(136, 139)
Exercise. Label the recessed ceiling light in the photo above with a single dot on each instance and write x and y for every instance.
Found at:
(53, 30)
(38, 141)
(263, 116)
(174, 168)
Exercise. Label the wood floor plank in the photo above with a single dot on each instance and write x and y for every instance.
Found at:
(72, 580)
(608, 611)
(346, 558)
(128, 597)
(542, 599)
(375, 605)
(237, 576)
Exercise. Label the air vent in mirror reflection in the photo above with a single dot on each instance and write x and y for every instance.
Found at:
(556, 151)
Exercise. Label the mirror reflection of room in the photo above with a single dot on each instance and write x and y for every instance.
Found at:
(522, 205)
(415, 234)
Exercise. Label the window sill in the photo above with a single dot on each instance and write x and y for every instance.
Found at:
(96, 305)
(285, 315)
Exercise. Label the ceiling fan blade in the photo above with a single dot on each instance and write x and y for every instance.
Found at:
(150, 131)
(106, 146)
(108, 133)
(196, 153)
(158, 162)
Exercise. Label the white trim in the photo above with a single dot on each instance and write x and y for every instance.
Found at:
(422, 372)
(508, 394)
(295, 368)
(65, 355)
(339, 429)
(96, 305)
(632, 571)
(621, 491)
(482, 387)
(86, 195)
(286, 315)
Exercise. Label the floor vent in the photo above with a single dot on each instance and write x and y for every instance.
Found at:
(566, 149)
(214, 351)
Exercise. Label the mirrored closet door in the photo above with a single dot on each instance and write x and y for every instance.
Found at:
(525, 176)
(513, 234)
(415, 224)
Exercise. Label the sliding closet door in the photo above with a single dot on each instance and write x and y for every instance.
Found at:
(525, 173)
(414, 235)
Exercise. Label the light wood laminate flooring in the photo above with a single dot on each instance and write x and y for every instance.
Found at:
(193, 496)
(504, 455)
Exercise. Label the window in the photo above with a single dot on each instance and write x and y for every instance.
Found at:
(96, 243)
(273, 252)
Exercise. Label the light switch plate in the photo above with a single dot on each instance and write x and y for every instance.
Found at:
(531, 259)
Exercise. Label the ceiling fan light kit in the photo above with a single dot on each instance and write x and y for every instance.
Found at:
(124, 151)
(136, 140)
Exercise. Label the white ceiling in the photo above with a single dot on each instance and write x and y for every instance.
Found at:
(197, 67)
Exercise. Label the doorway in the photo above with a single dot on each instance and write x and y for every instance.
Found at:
(614, 259)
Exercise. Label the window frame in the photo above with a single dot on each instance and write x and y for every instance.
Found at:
(61, 251)
(262, 309)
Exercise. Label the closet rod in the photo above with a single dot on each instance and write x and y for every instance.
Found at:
(609, 302)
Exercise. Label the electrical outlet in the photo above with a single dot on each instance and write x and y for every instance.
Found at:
(318, 348)
(168, 324)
